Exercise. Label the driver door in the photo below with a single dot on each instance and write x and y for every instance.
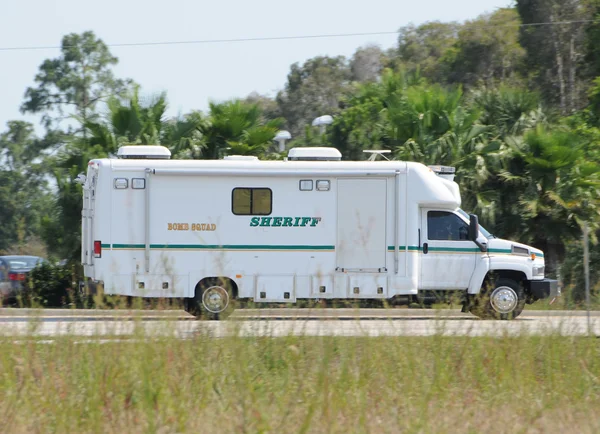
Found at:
(447, 256)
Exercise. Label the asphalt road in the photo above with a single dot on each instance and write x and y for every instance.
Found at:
(285, 322)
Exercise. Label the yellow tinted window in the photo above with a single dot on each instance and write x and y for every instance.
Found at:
(261, 201)
(251, 201)
(242, 200)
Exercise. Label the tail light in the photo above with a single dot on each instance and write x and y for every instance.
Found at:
(17, 276)
(97, 249)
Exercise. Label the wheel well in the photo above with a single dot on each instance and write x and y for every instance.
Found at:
(517, 276)
(223, 281)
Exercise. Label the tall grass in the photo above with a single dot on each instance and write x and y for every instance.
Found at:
(301, 384)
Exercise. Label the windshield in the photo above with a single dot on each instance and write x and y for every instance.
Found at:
(16, 262)
(483, 230)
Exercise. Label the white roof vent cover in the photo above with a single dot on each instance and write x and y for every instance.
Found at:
(241, 157)
(144, 152)
(314, 154)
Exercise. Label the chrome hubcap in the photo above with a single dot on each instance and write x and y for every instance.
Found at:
(504, 299)
(215, 299)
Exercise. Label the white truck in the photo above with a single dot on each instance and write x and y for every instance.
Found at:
(309, 227)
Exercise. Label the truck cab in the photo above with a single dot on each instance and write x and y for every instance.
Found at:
(501, 276)
(456, 252)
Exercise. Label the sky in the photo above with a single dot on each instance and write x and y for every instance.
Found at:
(194, 74)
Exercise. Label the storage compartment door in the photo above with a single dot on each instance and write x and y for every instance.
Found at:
(361, 220)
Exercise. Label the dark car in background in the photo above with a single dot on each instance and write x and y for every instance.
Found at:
(13, 273)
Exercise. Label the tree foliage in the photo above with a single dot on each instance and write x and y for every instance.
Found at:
(424, 48)
(516, 109)
(487, 50)
(24, 196)
(238, 128)
(555, 50)
(312, 90)
(78, 79)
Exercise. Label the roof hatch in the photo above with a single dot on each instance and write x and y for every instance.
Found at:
(314, 154)
(144, 152)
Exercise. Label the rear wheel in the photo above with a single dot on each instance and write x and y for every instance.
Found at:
(213, 299)
(505, 299)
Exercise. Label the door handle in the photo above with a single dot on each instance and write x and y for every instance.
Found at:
(425, 248)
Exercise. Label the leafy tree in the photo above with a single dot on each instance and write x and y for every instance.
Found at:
(78, 79)
(591, 60)
(425, 47)
(555, 50)
(24, 196)
(367, 63)
(359, 127)
(572, 273)
(268, 106)
(487, 49)
(312, 90)
(18, 145)
(61, 224)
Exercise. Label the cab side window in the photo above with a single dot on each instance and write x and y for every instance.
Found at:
(446, 226)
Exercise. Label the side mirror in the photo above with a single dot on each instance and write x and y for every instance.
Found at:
(474, 232)
(473, 227)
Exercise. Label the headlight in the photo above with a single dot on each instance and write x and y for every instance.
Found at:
(538, 270)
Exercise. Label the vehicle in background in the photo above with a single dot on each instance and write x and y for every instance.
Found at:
(13, 273)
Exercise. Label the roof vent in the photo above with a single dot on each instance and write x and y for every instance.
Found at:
(143, 152)
(314, 154)
(241, 157)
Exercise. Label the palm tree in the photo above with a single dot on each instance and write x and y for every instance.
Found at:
(549, 189)
(429, 124)
(131, 120)
(236, 127)
(365, 121)
(511, 111)
(184, 135)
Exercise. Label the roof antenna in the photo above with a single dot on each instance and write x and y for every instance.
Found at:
(375, 153)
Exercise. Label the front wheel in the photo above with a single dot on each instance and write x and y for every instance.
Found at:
(505, 299)
(213, 300)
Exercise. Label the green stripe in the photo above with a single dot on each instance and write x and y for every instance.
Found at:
(401, 248)
(454, 249)
(436, 249)
(128, 246)
(290, 247)
(221, 247)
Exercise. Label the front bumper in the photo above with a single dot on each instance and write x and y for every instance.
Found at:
(546, 288)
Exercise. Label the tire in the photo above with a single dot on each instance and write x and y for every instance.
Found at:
(213, 299)
(503, 300)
